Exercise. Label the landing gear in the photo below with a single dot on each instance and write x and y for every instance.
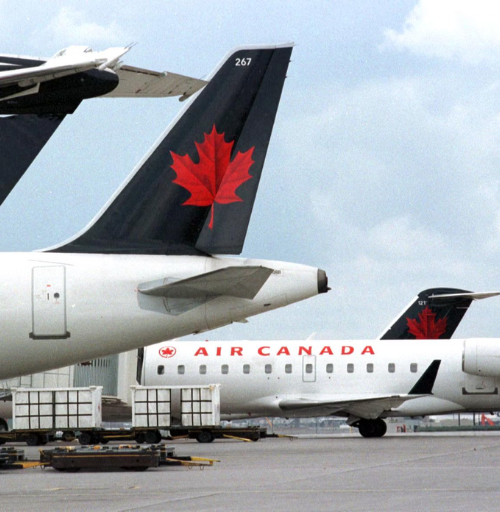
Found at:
(372, 428)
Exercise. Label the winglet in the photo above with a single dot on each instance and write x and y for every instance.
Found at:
(425, 384)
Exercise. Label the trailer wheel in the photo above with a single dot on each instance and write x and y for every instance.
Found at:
(84, 438)
(153, 437)
(140, 438)
(68, 436)
(33, 440)
(204, 436)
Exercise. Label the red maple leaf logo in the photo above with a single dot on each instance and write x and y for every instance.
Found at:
(214, 179)
(167, 352)
(426, 328)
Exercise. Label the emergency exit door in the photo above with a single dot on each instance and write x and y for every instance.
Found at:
(49, 303)
(309, 368)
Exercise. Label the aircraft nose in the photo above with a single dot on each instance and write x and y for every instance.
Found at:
(322, 281)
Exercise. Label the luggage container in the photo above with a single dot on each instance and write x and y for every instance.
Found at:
(56, 409)
(168, 406)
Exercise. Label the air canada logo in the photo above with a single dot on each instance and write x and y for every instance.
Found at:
(215, 178)
(426, 327)
(167, 352)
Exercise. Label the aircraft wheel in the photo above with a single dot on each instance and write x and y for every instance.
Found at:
(367, 428)
(204, 436)
(381, 427)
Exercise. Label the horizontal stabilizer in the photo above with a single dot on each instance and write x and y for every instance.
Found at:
(143, 83)
(241, 282)
(425, 384)
(466, 295)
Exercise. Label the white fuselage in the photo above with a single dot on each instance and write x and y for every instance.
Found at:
(59, 309)
(256, 376)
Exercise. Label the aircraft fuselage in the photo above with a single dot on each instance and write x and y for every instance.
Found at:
(60, 309)
(258, 377)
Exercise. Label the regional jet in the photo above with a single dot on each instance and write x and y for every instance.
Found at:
(147, 268)
(364, 381)
(36, 94)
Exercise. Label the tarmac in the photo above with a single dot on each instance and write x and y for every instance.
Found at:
(342, 472)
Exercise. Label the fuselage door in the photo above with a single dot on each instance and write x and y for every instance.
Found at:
(49, 302)
(478, 385)
(309, 368)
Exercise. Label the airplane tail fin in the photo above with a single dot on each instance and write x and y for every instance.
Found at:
(194, 191)
(21, 139)
(434, 313)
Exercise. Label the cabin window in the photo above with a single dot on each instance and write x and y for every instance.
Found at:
(181, 369)
(350, 368)
(288, 368)
(329, 368)
(161, 369)
(369, 367)
(268, 368)
(203, 369)
(413, 367)
(309, 368)
(246, 368)
(391, 367)
(224, 369)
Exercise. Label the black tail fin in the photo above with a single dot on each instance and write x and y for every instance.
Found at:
(433, 314)
(194, 192)
(21, 139)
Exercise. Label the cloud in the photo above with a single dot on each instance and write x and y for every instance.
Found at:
(451, 29)
(70, 26)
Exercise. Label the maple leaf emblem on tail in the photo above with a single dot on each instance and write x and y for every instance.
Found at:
(215, 178)
(426, 327)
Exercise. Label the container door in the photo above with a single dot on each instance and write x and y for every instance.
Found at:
(49, 303)
(309, 368)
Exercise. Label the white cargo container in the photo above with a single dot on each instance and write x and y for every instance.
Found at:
(167, 406)
(57, 408)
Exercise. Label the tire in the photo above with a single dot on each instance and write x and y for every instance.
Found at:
(367, 428)
(152, 437)
(3, 425)
(204, 436)
(68, 436)
(381, 427)
(33, 440)
(85, 438)
(140, 438)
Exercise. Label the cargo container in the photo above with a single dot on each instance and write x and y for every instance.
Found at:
(58, 408)
(168, 406)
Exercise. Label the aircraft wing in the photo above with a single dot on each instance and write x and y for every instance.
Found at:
(143, 83)
(369, 407)
(241, 282)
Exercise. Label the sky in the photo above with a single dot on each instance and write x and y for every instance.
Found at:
(384, 164)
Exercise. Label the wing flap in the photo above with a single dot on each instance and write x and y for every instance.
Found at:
(241, 282)
(143, 83)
